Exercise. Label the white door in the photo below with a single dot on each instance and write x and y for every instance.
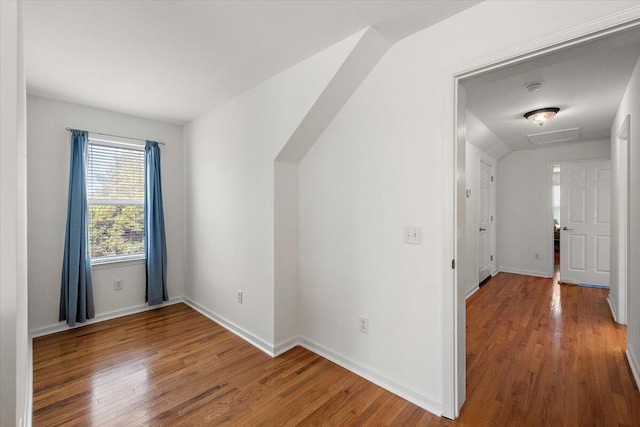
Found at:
(585, 221)
(486, 218)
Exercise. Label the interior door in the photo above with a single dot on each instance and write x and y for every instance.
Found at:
(585, 221)
(486, 217)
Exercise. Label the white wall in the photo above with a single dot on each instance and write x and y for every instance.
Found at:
(630, 105)
(15, 350)
(48, 180)
(483, 138)
(470, 273)
(230, 210)
(379, 166)
(524, 213)
(285, 253)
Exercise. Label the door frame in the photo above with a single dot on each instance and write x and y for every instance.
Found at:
(492, 205)
(550, 226)
(623, 140)
(454, 138)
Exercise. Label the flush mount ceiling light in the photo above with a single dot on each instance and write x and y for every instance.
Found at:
(534, 87)
(541, 116)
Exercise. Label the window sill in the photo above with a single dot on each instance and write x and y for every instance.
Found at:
(117, 262)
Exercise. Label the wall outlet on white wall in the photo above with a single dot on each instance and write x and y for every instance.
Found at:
(117, 285)
(239, 297)
(364, 325)
(413, 235)
(536, 257)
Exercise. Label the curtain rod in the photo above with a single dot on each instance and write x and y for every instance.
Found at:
(68, 129)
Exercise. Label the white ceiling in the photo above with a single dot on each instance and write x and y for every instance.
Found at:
(586, 82)
(175, 60)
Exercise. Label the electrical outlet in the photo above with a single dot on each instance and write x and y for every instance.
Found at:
(413, 235)
(364, 325)
(536, 257)
(239, 297)
(117, 285)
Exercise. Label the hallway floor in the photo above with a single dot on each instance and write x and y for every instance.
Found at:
(543, 354)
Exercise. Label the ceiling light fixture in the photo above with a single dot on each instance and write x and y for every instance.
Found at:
(541, 116)
(534, 87)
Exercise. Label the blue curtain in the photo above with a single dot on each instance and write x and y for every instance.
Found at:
(76, 293)
(155, 242)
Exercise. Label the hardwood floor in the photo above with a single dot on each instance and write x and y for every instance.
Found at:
(539, 353)
(172, 366)
(543, 354)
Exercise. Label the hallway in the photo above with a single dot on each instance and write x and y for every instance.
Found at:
(539, 353)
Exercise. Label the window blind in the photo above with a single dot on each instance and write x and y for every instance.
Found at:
(115, 192)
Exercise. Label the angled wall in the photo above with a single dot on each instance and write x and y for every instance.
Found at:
(378, 167)
(230, 201)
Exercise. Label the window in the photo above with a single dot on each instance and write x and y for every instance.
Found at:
(115, 192)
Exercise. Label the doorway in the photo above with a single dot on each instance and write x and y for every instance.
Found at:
(456, 376)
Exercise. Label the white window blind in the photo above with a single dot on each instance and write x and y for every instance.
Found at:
(115, 192)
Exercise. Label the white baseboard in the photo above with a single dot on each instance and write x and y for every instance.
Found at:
(525, 272)
(635, 366)
(472, 291)
(612, 307)
(406, 392)
(250, 337)
(285, 346)
(27, 416)
(62, 326)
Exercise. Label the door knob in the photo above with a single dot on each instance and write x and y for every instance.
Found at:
(483, 229)
(565, 228)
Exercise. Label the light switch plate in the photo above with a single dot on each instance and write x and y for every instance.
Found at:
(413, 235)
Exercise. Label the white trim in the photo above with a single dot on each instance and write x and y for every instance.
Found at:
(285, 346)
(117, 263)
(250, 337)
(450, 78)
(623, 199)
(450, 368)
(115, 142)
(407, 392)
(128, 202)
(612, 307)
(525, 272)
(550, 224)
(472, 291)
(61, 326)
(635, 366)
(27, 417)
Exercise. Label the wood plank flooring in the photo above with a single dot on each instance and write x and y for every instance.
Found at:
(544, 354)
(539, 353)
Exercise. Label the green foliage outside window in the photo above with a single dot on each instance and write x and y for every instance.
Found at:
(116, 230)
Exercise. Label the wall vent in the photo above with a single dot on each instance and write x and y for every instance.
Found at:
(555, 136)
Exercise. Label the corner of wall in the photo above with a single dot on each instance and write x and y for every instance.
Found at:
(634, 363)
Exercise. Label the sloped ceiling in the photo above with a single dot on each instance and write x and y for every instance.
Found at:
(175, 60)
